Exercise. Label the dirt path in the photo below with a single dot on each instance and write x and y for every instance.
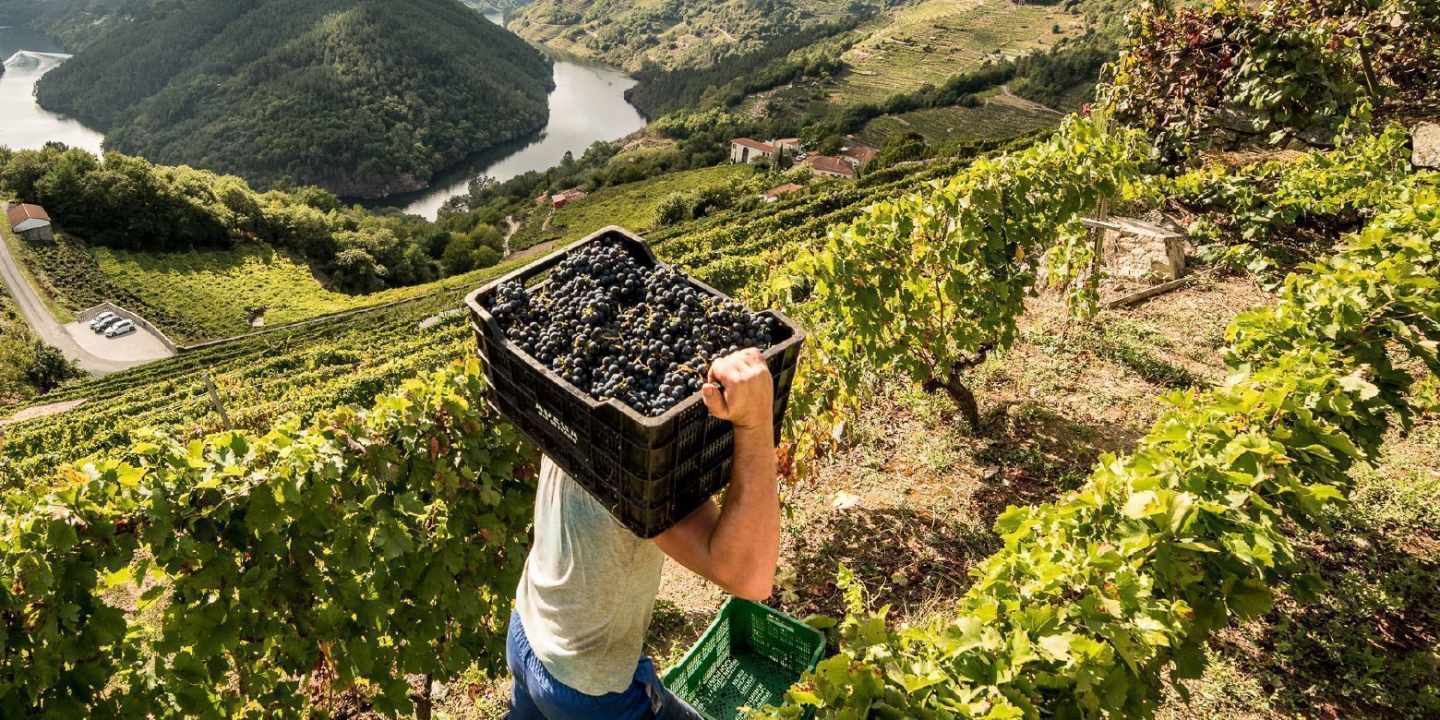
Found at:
(512, 226)
(42, 323)
(1007, 97)
(41, 411)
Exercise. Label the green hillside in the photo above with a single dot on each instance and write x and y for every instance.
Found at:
(362, 97)
(673, 33)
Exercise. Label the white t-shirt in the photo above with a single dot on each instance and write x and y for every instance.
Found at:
(588, 590)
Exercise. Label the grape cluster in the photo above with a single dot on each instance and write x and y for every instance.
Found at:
(616, 329)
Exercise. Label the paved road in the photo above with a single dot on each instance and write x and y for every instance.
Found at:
(42, 323)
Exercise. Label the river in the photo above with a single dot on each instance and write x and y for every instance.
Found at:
(23, 124)
(587, 105)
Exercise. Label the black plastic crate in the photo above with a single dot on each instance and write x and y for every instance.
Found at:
(650, 472)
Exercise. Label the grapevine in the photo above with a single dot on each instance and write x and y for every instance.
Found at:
(1095, 596)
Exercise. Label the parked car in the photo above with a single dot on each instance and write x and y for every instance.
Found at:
(120, 329)
(103, 319)
(108, 323)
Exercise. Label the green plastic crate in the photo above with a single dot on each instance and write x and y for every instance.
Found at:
(748, 657)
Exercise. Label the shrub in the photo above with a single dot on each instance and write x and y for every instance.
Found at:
(673, 209)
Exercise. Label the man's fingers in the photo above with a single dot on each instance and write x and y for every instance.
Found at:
(725, 372)
(715, 400)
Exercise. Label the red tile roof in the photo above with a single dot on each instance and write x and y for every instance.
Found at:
(23, 212)
(785, 189)
(830, 164)
(753, 144)
(860, 153)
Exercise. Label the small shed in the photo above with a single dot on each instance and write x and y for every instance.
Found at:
(747, 150)
(30, 222)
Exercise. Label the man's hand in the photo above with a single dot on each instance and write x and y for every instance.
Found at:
(738, 547)
(748, 400)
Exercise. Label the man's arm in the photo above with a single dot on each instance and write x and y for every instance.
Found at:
(737, 547)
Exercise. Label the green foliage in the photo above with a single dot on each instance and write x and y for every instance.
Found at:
(48, 367)
(810, 52)
(480, 248)
(709, 199)
(1275, 70)
(681, 33)
(1096, 595)
(360, 548)
(928, 284)
(363, 97)
(129, 203)
(1259, 203)
(672, 209)
(1047, 77)
(299, 372)
(26, 366)
(900, 147)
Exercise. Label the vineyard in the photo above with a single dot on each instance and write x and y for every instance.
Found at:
(343, 361)
(1002, 500)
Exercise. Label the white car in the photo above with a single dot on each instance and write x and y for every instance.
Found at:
(103, 320)
(120, 329)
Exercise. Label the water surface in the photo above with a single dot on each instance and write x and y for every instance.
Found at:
(23, 123)
(587, 105)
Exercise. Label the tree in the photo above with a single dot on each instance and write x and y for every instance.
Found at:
(486, 256)
(488, 236)
(459, 255)
(929, 284)
(672, 210)
(356, 271)
(710, 199)
(49, 368)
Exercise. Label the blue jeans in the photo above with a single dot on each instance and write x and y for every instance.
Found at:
(537, 695)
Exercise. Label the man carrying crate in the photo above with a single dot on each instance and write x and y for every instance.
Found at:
(583, 606)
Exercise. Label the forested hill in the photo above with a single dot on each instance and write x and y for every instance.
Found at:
(363, 97)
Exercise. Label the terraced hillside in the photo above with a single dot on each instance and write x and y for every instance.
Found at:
(351, 360)
(676, 33)
(923, 43)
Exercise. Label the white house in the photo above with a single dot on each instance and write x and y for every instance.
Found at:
(788, 146)
(746, 150)
(30, 222)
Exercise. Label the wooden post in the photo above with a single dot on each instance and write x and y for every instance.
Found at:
(217, 401)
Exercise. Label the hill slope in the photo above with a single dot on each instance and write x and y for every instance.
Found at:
(671, 33)
(362, 97)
